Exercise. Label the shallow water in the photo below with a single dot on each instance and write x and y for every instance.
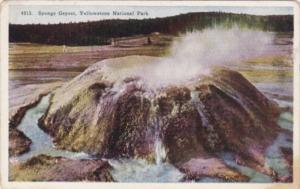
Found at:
(285, 121)
(42, 142)
(140, 170)
(275, 158)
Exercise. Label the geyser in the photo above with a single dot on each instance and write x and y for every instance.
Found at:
(194, 54)
(114, 110)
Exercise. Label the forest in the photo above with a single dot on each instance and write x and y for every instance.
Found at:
(101, 32)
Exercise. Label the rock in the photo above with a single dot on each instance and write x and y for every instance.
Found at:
(287, 179)
(110, 124)
(18, 142)
(46, 168)
(241, 117)
(182, 133)
(105, 113)
(288, 155)
(211, 167)
(129, 136)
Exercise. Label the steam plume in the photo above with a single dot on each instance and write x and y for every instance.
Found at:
(197, 52)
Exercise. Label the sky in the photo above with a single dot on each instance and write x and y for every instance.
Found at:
(41, 14)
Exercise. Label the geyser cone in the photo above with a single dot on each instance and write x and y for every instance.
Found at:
(114, 108)
(114, 118)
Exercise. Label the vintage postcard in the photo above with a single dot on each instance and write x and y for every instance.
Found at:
(174, 94)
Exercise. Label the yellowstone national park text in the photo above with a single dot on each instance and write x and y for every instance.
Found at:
(45, 13)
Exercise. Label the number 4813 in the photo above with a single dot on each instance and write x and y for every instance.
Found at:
(26, 13)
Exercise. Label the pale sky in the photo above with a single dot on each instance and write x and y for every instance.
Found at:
(15, 16)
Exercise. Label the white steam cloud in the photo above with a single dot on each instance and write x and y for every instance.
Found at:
(197, 52)
(194, 54)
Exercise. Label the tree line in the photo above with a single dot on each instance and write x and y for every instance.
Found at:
(101, 32)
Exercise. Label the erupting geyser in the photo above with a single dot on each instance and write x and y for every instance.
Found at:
(177, 109)
(194, 55)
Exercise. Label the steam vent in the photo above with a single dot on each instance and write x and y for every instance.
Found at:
(108, 112)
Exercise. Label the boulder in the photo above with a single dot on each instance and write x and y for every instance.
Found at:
(211, 167)
(18, 142)
(46, 168)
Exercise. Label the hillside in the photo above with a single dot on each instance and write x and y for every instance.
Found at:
(101, 32)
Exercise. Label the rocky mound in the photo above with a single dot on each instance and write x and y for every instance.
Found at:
(109, 114)
(18, 142)
(46, 168)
